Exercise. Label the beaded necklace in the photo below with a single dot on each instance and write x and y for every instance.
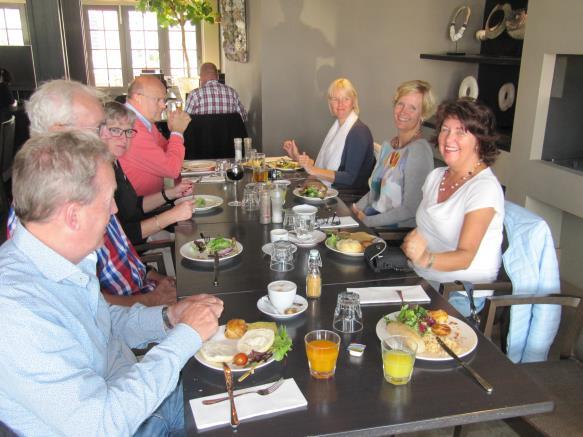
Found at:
(454, 186)
(396, 144)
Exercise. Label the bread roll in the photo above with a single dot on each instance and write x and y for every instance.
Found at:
(398, 328)
(440, 316)
(258, 340)
(218, 351)
(349, 246)
(362, 236)
(235, 328)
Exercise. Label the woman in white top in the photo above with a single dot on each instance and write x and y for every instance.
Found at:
(346, 158)
(460, 219)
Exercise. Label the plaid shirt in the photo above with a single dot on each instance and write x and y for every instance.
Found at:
(119, 269)
(214, 98)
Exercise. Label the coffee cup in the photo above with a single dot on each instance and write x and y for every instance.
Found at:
(278, 235)
(281, 294)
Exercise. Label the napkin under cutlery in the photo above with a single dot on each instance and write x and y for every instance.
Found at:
(339, 222)
(212, 179)
(287, 397)
(375, 295)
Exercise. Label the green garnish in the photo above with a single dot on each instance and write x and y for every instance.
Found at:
(332, 240)
(413, 316)
(311, 192)
(200, 202)
(218, 244)
(281, 344)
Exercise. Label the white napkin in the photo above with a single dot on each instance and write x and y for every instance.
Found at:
(286, 397)
(345, 222)
(374, 295)
(212, 179)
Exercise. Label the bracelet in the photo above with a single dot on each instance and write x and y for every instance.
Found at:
(157, 222)
(166, 198)
(431, 260)
(167, 324)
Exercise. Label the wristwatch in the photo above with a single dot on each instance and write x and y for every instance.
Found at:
(167, 324)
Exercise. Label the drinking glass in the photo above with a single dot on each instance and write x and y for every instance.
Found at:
(277, 200)
(220, 167)
(304, 221)
(250, 198)
(398, 354)
(348, 314)
(322, 348)
(289, 219)
(282, 259)
(235, 173)
(260, 170)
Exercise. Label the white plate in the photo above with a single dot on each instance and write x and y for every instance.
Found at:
(265, 307)
(460, 331)
(317, 237)
(189, 251)
(331, 194)
(198, 166)
(352, 255)
(211, 202)
(220, 336)
(267, 248)
(273, 165)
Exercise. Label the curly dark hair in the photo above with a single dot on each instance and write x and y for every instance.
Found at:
(476, 118)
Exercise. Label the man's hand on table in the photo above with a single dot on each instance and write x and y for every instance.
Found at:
(178, 121)
(201, 312)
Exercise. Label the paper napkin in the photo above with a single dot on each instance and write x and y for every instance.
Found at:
(374, 295)
(212, 179)
(345, 222)
(286, 397)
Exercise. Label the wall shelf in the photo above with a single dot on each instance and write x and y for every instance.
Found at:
(472, 58)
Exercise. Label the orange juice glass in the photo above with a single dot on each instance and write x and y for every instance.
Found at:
(322, 350)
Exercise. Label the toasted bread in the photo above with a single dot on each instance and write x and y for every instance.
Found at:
(398, 328)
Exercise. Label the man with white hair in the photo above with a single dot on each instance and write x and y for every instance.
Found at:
(66, 367)
(61, 105)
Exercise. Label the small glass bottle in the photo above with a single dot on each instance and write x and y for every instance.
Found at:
(238, 142)
(314, 278)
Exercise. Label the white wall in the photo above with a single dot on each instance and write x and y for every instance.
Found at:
(304, 45)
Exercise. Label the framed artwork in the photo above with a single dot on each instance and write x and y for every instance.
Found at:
(234, 28)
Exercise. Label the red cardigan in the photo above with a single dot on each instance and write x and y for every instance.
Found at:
(151, 158)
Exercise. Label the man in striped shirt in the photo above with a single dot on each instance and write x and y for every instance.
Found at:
(213, 97)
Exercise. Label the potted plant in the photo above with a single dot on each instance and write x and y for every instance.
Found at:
(178, 13)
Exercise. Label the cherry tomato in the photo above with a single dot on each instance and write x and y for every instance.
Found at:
(240, 359)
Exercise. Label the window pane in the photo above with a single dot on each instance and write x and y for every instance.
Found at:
(176, 73)
(176, 59)
(137, 40)
(3, 38)
(112, 39)
(113, 59)
(191, 41)
(2, 21)
(15, 37)
(13, 19)
(151, 40)
(137, 72)
(115, 77)
(95, 19)
(136, 21)
(99, 59)
(152, 59)
(97, 40)
(101, 77)
(150, 21)
(174, 40)
(110, 19)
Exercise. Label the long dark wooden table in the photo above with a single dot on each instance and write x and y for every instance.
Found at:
(358, 401)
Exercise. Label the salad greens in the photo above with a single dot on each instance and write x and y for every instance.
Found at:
(332, 240)
(219, 243)
(281, 344)
(200, 202)
(415, 317)
(311, 192)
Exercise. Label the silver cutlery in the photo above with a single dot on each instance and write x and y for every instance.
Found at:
(485, 384)
(400, 293)
(261, 392)
(229, 386)
(216, 267)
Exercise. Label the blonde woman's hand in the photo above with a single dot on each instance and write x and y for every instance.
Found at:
(306, 162)
(414, 246)
(357, 212)
(290, 147)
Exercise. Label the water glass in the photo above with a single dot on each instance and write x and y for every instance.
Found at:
(398, 354)
(288, 219)
(322, 348)
(282, 259)
(221, 167)
(250, 198)
(238, 142)
(277, 201)
(348, 314)
(305, 219)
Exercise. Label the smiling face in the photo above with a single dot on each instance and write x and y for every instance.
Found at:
(118, 146)
(407, 112)
(458, 147)
(341, 104)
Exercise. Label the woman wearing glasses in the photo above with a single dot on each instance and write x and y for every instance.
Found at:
(346, 157)
(135, 212)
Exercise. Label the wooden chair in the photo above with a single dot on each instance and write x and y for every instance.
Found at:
(562, 379)
(149, 256)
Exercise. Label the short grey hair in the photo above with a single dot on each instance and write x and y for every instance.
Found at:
(115, 111)
(52, 104)
(54, 168)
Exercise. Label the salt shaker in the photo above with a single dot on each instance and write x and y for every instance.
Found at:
(247, 146)
(238, 149)
(264, 207)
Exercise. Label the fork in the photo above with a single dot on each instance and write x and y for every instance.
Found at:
(262, 392)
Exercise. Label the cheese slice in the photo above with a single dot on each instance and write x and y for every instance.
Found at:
(258, 340)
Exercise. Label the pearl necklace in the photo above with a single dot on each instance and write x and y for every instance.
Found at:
(454, 186)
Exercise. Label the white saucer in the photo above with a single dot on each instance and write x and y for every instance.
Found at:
(265, 307)
(317, 238)
(267, 248)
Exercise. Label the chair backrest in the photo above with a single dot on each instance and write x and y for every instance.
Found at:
(7, 147)
(211, 135)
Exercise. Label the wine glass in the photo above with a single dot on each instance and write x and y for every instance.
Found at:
(235, 173)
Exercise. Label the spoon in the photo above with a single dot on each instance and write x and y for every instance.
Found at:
(400, 293)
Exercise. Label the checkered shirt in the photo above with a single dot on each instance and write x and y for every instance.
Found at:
(214, 98)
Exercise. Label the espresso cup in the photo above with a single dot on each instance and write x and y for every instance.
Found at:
(278, 235)
(281, 294)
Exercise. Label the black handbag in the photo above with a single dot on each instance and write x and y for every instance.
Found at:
(381, 257)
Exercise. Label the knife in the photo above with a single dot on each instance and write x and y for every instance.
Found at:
(485, 384)
(216, 280)
(229, 385)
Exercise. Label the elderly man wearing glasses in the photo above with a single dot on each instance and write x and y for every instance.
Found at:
(152, 157)
(135, 211)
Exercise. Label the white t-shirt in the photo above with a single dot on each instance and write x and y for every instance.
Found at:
(441, 225)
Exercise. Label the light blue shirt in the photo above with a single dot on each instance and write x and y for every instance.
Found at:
(66, 368)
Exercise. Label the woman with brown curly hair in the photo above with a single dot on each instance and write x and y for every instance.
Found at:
(460, 219)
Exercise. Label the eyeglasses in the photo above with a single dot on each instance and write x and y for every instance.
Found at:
(118, 132)
(159, 100)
